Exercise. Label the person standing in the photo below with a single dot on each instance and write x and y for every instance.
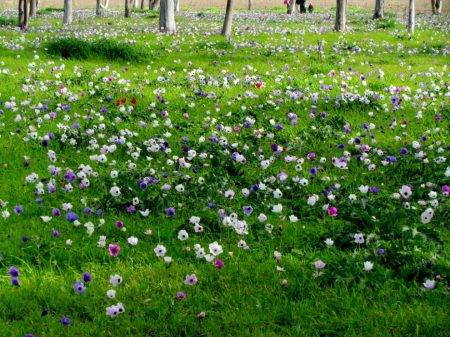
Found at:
(286, 2)
(301, 6)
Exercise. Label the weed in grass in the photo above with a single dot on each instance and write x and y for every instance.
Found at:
(385, 23)
(97, 49)
(7, 21)
(49, 10)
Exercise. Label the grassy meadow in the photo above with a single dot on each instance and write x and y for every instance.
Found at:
(286, 181)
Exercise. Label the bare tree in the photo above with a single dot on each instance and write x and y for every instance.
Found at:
(32, 8)
(154, 4)
(20, 13)
(411, 17)
(104, 6)
(436, 6)
(177, 5)
(250, 5)
(339, 25)
(167, 17)
(142, 4)
(127, 9)
(98, 8)
(291, 7)
(226, 29)
(379, 9)
(67, 17)
(25, 15)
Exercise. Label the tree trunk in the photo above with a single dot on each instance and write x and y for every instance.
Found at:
(154, 4)
(379, 9)
(177, 5)
(135, 3)
(142, 4)
(98, 9)
(291, 7)
(167, 17)
(127, 9)
(226, 29)
(411, 17)
(20, 14)
(67, 17)
(25, 15)
(38, 5)
(32, 8)
(250, 5)
(339, 25)
(105, 6)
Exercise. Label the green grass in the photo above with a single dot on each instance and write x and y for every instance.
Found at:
(93, 59)
(385, 23)
(49, 10)
(150, 13)
(101, 49)
(7, 21)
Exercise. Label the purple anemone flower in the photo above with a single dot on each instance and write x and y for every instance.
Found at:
(181, 295)
(248, 210)
(79, 287)
(18, 209)
(65, 320)
(13, 271)
(71, 217)
(170, 211)
(87, 277)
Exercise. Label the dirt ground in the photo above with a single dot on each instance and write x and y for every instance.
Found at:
(391, 5)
